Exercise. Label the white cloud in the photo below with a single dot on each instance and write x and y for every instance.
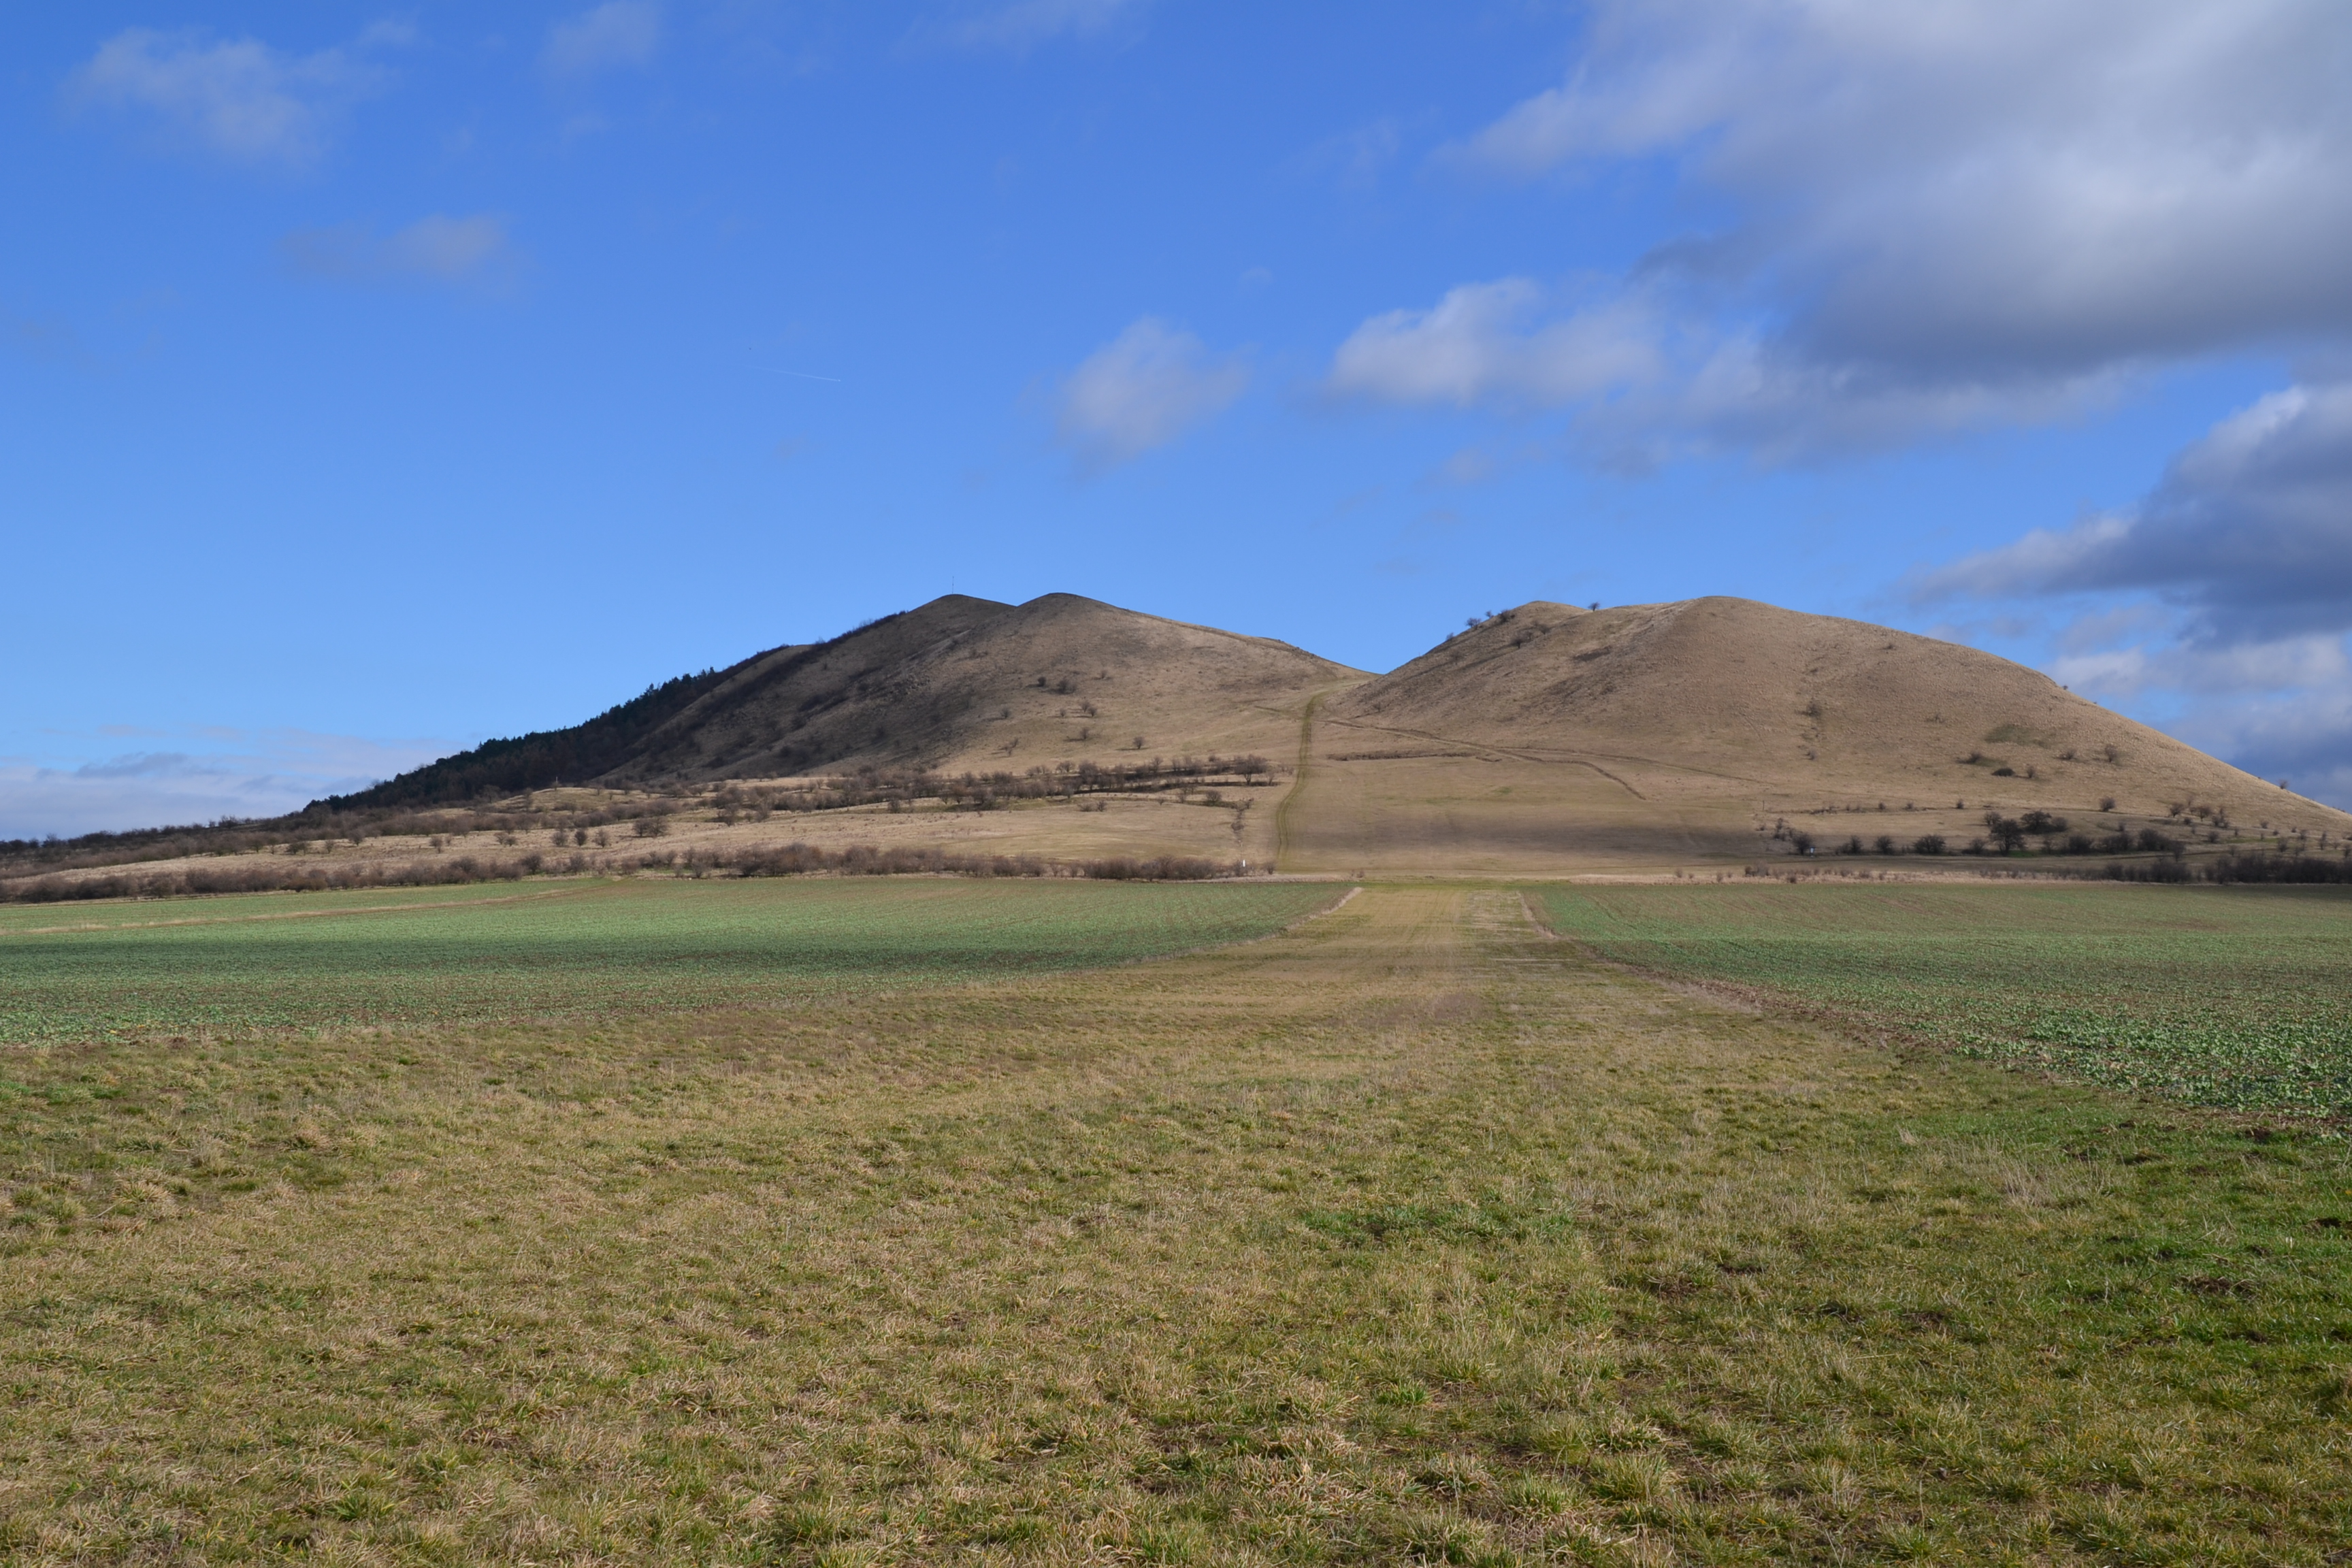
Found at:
(2249, 531)
(1475, 345)
(1024, 24)
(2302, 740)
(2227, 590)
(1143, 389)
(436, 248)
(214, 773)
(1942, 215)
(242, 99)
(617, 34)
(1651, 379)
(2204, 671)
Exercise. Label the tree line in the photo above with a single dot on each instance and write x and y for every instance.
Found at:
(279, 875)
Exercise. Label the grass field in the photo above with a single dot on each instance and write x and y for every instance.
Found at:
(313, 961)
(1409, 1234)
(2233, 997)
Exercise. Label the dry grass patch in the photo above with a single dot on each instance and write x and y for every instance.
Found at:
(1408, 1236)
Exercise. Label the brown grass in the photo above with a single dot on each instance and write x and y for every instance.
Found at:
(1408, 1236)
(1553, 739)
(1112, 827)
(963, 684)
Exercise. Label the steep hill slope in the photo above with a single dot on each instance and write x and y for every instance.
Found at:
(959, 683)
(542, 757)
(963, 683)
(1551, 732)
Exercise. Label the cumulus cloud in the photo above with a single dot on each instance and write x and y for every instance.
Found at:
(2226, 591)
(1940, 216)
(2163, 662)
(1652, 379)
(240, 98)
(1477, 345)
(436, 248)
(619, 33)
(2302, 740)
(1143, 389)
(2249, 531)
(220, 772)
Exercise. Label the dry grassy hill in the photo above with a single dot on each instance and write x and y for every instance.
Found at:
(1550, 736)
(959, 684)
(773, 750)
(970, 684)
(1543, 741)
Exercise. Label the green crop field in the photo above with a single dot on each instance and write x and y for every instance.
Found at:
(279, 960)
(2236, 997)
(1410, 1235)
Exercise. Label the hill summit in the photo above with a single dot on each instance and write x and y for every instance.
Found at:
(1544, 739)
(1551, 733)
(958, 684)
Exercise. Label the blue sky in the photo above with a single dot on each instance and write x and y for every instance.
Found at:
(375, 381)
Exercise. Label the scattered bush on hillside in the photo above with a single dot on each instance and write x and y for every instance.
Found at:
(870, 787)
(867, 860)
(1928, 844)
(269, 877)
(275, 876)
(1160, 868)
(325, 823)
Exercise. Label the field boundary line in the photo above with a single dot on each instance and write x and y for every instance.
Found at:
(1789, 1009)
(292, 914)
(1328, 909)
(1751, 1000)
(1493, 751)
(1332, 908)
(1282, 818)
